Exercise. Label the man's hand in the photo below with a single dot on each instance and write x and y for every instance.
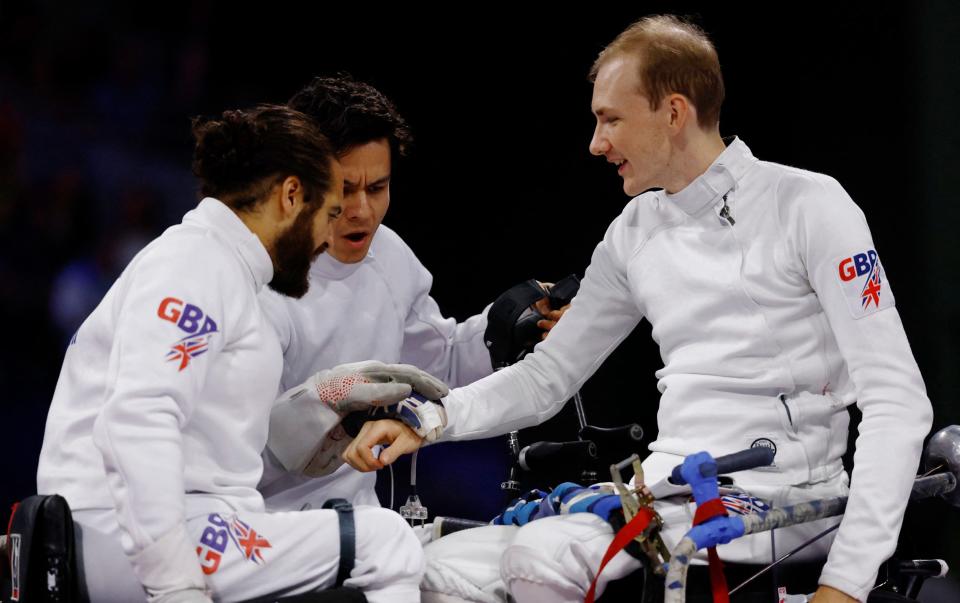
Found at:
(360, 385)
(828, 594)
(550, 316)
(399, 438)
(305, 436)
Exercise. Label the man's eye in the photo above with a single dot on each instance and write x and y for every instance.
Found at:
(376, 188)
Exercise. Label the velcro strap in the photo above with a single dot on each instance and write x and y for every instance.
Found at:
(348, 537)
(527, 512)
(606, 505)
(421, 415)
(561, 492)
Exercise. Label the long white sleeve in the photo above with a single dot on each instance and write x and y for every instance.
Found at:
(149, 402)
(602, 314)
(162, 404)
(889, 389)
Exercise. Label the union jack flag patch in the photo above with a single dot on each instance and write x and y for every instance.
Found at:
(248, 541)
(188, 348)
(744, 504)
(864, 283)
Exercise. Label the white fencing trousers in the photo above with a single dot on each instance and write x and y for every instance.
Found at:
(556, 558)
(249, 556)
(465, 566)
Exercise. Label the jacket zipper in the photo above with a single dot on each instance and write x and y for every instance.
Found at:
(725, 211)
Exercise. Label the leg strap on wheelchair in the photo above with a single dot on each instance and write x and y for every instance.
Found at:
(348, 537)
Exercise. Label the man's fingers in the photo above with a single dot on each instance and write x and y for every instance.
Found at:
(423, 382)
(550, 320)
(407, 441)
(361, 458)
(359, 454)
(381, 393)
(400, 439)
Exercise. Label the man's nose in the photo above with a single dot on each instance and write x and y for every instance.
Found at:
(356, 206)
(599, 144)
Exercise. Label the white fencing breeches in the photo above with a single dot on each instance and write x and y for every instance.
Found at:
(555, 558)
(253, 555)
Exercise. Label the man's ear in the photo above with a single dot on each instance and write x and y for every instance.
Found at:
(679, 111)
(291, 197)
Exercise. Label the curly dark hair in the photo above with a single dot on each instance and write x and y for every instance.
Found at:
(352, 113)
(240, 155)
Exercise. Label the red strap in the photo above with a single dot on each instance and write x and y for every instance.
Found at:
(718, 582)
(709, 510)
(13, 511)
(627, 533)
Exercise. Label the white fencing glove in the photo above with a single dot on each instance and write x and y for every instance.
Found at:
(302, 433)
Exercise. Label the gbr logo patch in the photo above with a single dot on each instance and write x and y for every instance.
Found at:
(864, 283)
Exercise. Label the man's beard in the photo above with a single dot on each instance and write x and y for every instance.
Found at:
(293, 254)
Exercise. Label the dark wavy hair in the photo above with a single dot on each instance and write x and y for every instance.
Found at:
(240, 155)
(353, 113)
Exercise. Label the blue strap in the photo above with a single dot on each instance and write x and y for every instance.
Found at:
(508, 514)
(605, 505)
(348, 537)
(560, 492)
(583, 505)
(527, 512)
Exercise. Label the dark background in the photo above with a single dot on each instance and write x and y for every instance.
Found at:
(95, 151)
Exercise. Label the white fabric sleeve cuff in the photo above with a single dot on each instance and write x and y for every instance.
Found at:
(841, 583)
(168, 565)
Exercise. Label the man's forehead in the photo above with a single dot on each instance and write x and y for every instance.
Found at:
(616, 80)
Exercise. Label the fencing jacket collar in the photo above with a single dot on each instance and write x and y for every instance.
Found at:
(330, 268)
(719, 179)
(212, 213)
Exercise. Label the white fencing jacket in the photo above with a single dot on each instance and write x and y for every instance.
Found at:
(166, 389)
(772, 315)
(376, 309)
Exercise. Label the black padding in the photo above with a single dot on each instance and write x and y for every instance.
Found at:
(39, 564)
(563, 292)
(510, 334)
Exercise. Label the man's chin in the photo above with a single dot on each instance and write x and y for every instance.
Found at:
(348, 256)
(631, 189)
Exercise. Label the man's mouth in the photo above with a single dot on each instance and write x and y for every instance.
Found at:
(621, 166)
(356, 239)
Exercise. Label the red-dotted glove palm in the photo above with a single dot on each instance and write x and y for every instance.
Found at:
(359, 385)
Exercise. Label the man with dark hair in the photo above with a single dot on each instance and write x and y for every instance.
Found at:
(370, 298)
(156, 428)
(773, 314)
